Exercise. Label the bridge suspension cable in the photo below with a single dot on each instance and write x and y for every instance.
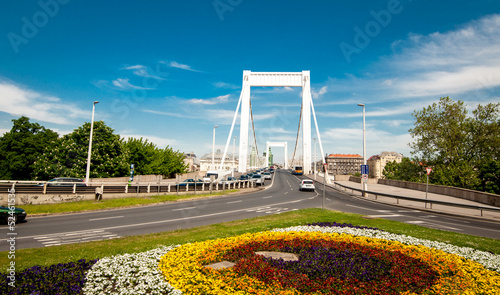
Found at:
(297, 138)
(254, 137)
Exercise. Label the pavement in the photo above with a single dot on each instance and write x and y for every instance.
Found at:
(392, 190)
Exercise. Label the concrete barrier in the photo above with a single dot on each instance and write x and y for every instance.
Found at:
(466, 194)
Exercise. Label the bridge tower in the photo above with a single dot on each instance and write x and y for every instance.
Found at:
(275, 79)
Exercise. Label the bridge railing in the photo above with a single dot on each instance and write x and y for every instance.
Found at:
(41, 187)
(426, 201)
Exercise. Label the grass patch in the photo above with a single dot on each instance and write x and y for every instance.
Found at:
(66, 253)
(112, 203)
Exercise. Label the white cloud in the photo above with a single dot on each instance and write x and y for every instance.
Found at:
(18, 101)
(174, 64)
(124, 84)
(226, 85)
(464, 62)
(320, 92)
(211, 101)
(143, 71)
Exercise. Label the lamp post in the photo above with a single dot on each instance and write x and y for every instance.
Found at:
(234, 141)
(314, 169)
(365, 184)
(87, 174)
(213, 149)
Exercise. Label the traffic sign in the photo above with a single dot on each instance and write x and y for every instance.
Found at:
(364, 177)
(364, 169)
(429, 170)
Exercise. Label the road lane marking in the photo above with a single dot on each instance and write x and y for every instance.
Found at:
(94, 219)
(384, 216)
(232, 202)
(267, 197)
(186, 208)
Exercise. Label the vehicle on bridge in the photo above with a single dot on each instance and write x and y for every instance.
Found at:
(307, 185)
(297, 170)
(258, 179)
(191, 181)
(65, 181)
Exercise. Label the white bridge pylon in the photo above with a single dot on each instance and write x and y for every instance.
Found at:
(274, 79)
(276, 144)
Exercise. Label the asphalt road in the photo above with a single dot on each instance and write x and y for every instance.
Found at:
(282, 196)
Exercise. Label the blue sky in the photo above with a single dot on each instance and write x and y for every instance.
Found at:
(170, 70)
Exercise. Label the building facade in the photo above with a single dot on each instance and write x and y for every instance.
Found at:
(377, 163)
(192, 162)
(206, 162)
(343, 164)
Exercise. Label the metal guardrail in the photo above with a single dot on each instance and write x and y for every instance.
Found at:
(34, 187)
(481, 208)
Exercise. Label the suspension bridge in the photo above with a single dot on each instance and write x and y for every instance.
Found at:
(244, 109)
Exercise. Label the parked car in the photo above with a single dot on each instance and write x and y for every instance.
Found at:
(267, 175)
(19, 214)
(230, 179)
(243, 177)
(307, 185)
(258, 179)
(65, 181)
(190, 181)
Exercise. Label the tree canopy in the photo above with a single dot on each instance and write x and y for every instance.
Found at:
(21, 146)
(32, 152)
(67, 157)
(462, 149)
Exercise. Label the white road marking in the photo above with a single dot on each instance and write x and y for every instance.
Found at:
(186, 208)
(232, 202)
(106, 218)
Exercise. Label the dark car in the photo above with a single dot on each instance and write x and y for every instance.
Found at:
(65, 181)
(191, 181)
(18, 214)
(243, 177)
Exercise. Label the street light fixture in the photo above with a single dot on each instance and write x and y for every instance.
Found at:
(213, 149)
(365, 184)
(87, 174)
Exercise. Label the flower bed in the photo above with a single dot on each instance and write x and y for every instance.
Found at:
(406, 269)
(333, 259)
(64, 278)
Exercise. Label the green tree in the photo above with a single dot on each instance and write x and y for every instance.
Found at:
(141, 153)
(68, 156)
(454, 143)
(489, 176)
(149, 159)
(407, 170)
(21, 146)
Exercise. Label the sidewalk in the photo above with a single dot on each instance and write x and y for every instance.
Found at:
(487, 215)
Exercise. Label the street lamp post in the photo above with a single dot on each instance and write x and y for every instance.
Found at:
(234, 141)
(314, 169)
(365, 184)
(213, 149)
(87, 174)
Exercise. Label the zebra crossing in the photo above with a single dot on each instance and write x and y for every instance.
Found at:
(75, 237)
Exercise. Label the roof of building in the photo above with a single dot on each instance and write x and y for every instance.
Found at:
(344, 156)
(373, 158)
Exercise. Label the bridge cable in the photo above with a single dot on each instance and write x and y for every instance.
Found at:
(298, 131)
(254, 137)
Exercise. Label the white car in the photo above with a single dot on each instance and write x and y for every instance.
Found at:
(267, 175)
(258, 179)
(307, 185)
